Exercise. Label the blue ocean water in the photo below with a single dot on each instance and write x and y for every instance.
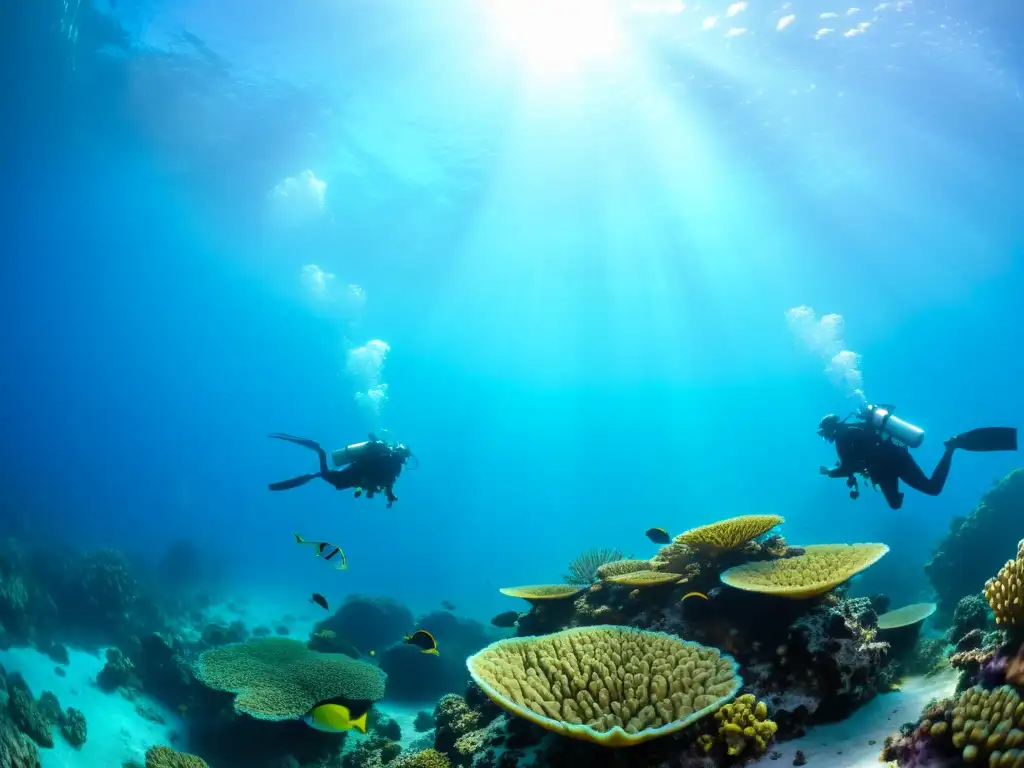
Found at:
(576, 230)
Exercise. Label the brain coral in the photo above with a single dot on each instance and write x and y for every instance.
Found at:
(1005, 592)
(281, 679)
(615, 686)
(728, 534)
(820, 568)
(542, 591)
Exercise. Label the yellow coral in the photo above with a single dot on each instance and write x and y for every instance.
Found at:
(1005, 592)
(645, 578)
(542, 591)
(615, 686)
(742, 723)
(619, 567)
(728, 534)
(820, 568)
(427, 758)
(987, 722)
(165, 757)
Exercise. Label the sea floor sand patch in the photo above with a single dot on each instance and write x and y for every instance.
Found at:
(116, 731)
(857, 742)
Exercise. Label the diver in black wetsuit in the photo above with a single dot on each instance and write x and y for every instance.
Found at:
(878, 448)
(372, 466)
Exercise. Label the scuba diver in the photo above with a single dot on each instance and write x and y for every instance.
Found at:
(878, 448)
(372, 465)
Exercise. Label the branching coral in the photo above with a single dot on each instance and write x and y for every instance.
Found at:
(281, 679)
(583, 571)
(613, 686)
(742, 724)
(427, 758)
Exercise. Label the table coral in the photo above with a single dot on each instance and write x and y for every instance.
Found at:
(821, 568)
(277, 678)
(729, 534)
(165, 757)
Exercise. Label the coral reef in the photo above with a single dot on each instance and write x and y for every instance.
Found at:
(165, 757)
(16, 749)
(118, 672)
(611, 685)
(280, 679)
(368, 623)
(975, 546)
(971, 613)
(27, 713)
(374, 752)
(73, 727)
(327, 641)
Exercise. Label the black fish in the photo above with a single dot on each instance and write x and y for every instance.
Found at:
(506, 619)
(448, 605)
(319, 600)
(422, 640)
(658, 535)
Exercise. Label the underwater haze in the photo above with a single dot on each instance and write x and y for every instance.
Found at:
(602, 266)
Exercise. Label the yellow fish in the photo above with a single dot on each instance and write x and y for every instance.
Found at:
(334, 718)
(701, 595)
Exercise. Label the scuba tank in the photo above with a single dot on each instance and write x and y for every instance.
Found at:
(881, 420)
(350, 453)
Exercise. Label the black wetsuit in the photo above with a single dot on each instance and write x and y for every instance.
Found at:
(885, 462)
(375, 470)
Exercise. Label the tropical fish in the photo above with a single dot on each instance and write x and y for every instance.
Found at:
(422, 640)
(326, 550)
(506, 619)
(701, 595)
(658, 535)
(334, 718)
(448, 605)
(319, 600)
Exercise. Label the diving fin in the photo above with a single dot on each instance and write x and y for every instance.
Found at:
(295, 482)
(305, 442)
(986, 439)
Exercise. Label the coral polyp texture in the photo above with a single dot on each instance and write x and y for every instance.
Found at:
(743, 727)
(614, 686)
(1005, 592)
(820, 568)
(645, 578)
(276, 678)
(619, 567)
(728, 534)
(906, 616)
(165, 757)
(985, 723)
(542, 591)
